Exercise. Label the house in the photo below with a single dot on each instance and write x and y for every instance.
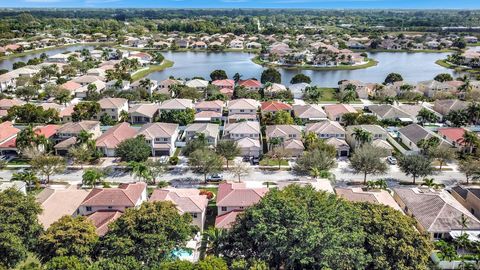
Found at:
(225, 221)
(453, 135)
(250, 85)
(7, 81)
(58, 58)
(249, 147)
(161, 137)
(199, 45)
(112, 107)
(326, 129)
(227, 83)
(377, 132)
(363, 90)
(375, 196)
(242, 109)
(146, 84)
(143, 113)
(8, 133)
(107, 143)
(336, 111)
(309, 113)
(56, 203)
(342, 147)
(187, 201)
(6, 103)
(242, 106)
(237, 196)
(413, 133)
(274, 88)
(67, 134)
(273, 107)
(71, 86)
(248, 129)
(390, 112)
(127, 195)
(445, 106)
(469, 197)
(212, 106)
(210, 131)
(436, 211)
(102, 218)
(236, 44)
(66, 113)
(197, 84)
(432, 87)
(165, 86)
(176, 104)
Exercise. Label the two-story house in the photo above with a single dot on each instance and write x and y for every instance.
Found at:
(67, 134)
(287, 136)
(186, 200)
(210, 131)
(143, 113)
(161, 137)
(242, 109)
(127, 195)
(247, 135)
(326, 129)
(208, 111)
(112, 107)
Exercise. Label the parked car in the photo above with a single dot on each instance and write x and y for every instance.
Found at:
(255, 160)
(246, 159)
(392, 160)
(215, 177)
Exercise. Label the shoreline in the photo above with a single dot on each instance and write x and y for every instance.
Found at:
(371, 63)
(445, 64)
(140, 74)
(26, 53)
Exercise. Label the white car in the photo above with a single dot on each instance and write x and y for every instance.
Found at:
(215, 177)
(392, 160)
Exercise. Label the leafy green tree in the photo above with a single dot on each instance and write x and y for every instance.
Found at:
(182, 117)
(69, 236)
(61, 95)
(19, 227)
(429, 144)
(391, 239)
(470, 167)
(218, 75)
(27, 92)
(457, 118)
(65, 263)
(198, 142)
(283, 118)
(319, 159)
(116, 263)
(26, 176)
(30, 113)
(205, 161)
(177, 265)
(211, 263)
(228, 149)
(367, 160)
(350, 119)
(92, 177)
(415, 165)
(271, 75)
(443, 77)
(426, 116)
(393, 77)
(149, 233)
(270, 231)
(471, 140)
(140, 170)
(300, 78)
(443, 155)
(85, 110)
(134, 149)
(48, 165)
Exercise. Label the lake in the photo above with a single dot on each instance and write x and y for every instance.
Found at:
(414, 67)
(8, 63)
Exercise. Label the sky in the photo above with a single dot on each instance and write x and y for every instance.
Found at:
(319, 4)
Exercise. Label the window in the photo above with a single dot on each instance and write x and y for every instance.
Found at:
(194, 215)
(241, 207)
(472, 211)
(224, 208)
(89, 208)
(110, 207)
(437, 235)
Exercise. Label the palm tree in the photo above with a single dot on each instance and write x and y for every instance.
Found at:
(140, 170)
(362, 136)
(430, 182)
(91, 177)
(28, 177)
(214, 239)
(473, 111)
(83, 137)
(124, 117)
(471, 140)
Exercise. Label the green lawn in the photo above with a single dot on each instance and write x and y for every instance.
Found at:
(18, 161)
(328, 94)
(272, 162)
(143, 73)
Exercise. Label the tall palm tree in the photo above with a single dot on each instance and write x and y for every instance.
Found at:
(140, 171)
(473, 111)
(214, 239)
(124, 117)
(362, 136)
(471, 140)
(28, 177)
(83, 137)
(92, 177)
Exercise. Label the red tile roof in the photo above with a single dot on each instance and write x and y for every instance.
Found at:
(452, 134)
(71, 86)
(115, 135)
(226, 220)
(274, 106)
(237, 194)
(125, 195)
(249, 83)
(224, 83)
(7, 130)
(101, 220)
(47, 131)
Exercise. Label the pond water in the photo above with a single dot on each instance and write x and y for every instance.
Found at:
(414, 67)
(8, 63)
